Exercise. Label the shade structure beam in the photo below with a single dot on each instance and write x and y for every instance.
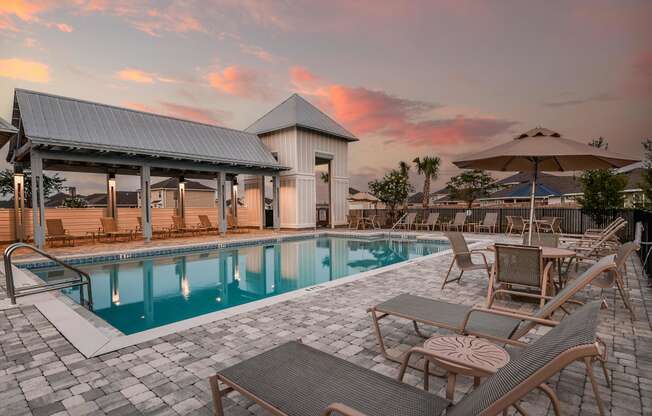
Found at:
(19, 202)
(146, 203)
(221, 202)
(38, 202)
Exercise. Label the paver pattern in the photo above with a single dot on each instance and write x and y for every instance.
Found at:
(42, 374)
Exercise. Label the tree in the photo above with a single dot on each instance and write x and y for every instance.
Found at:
(471, 185)
(602, 188)
(74, 202)
(404, 168)
(51, 184)
(392, 189)
(646, 183)
(429, 168)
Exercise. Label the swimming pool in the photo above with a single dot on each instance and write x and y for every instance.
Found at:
(148, 292)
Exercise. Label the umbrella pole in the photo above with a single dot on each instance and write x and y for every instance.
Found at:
(532, 195)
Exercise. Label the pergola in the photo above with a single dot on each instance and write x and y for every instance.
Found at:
(65, 134)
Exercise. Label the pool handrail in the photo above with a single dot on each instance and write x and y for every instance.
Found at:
(13, 293)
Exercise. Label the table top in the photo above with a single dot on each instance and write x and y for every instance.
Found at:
(475, 351)
(550, 252)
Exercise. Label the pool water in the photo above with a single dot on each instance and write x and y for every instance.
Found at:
(134, 296)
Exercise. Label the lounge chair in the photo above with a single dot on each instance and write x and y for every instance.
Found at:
(519, 266)
(407, 221)
(615, 277)
(457, 224)
(295, 379)
(489, 223)
(57, 232)
(232, 224)
(179, 226)
(110, 229)
(593, 233)
(429, 223)
(462, 256)
(591, 249)
(206, 223)
(499, 324)
(156, 231)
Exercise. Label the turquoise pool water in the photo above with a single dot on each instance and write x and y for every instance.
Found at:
(146, 293)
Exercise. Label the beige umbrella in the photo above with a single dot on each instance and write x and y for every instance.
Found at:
(541, 149)
(363, 197)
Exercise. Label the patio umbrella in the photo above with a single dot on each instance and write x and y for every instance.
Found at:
(541, 149)
(364, 197)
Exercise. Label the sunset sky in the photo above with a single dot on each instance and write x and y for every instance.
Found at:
(408, 78)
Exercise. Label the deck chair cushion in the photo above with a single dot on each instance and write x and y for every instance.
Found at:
(300, 380)
(578, 329)
(448, 315)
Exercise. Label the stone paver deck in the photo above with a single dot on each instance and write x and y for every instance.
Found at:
(42, 374)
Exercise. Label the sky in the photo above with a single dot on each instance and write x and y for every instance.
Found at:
(408, 78)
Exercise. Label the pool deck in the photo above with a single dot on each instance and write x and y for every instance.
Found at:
(41, 373)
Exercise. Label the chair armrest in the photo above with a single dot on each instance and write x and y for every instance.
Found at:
(508, 313)
(341, 409)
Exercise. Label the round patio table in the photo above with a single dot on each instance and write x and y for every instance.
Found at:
(466, 355)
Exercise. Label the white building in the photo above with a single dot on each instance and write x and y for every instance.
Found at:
(302, 138)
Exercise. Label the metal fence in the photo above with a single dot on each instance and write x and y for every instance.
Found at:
(572, 220)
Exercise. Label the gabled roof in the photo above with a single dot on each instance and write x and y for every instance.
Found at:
(173, 183)
(60, 121)
(123, 198)
(524, 190)
(297, 112)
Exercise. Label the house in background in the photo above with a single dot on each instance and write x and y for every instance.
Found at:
(165, 194)
(438, 197)
(124, 199)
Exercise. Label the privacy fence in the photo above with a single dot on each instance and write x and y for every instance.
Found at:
(573, 220)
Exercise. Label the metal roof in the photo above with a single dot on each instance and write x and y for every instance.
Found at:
(6, 131)
(60, 121)
(297, 112)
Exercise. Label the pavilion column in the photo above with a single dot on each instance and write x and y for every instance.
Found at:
(181, 206)
(38, 203)
(19, 203)
(111, 203)
(146, 203)
(276, 203)
(234, 197)
(221, 201)
(262, 202)
(331, 195)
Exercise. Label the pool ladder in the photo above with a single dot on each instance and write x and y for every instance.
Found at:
(13, 292)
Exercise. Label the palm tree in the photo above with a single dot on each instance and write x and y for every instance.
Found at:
(404, 168)
(427, 166)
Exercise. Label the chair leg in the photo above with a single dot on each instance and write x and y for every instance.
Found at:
(594, 384)
(217, 396)
(625, 296)
(553, 398)
(449, 272)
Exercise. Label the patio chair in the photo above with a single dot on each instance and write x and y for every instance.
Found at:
(156, 231)
(550, 224)
(111, 229)
(57, 232)
(353, 221)
(206, 223)
(542, 240)
(489, 223)
(407, 221)
(521, 266)
(615, 277)
(497, 323)
(179, 226)
(457, 223)
(462, 256)
(517, 224)
(589, 250)
(430, 223)
(295, 379)
(233, 226)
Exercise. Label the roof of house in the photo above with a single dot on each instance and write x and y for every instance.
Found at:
(173, 183)
(353, 191)
(297, 112)
(6, 131)
(524, 191)
(128, 198)
(61, 121)
(57, 199)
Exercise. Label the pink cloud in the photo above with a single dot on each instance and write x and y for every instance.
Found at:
(639, 82)
(25, 70)
(258, 52)
(238, 81)
(185, 112)
(376, 113)
(143, 77)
